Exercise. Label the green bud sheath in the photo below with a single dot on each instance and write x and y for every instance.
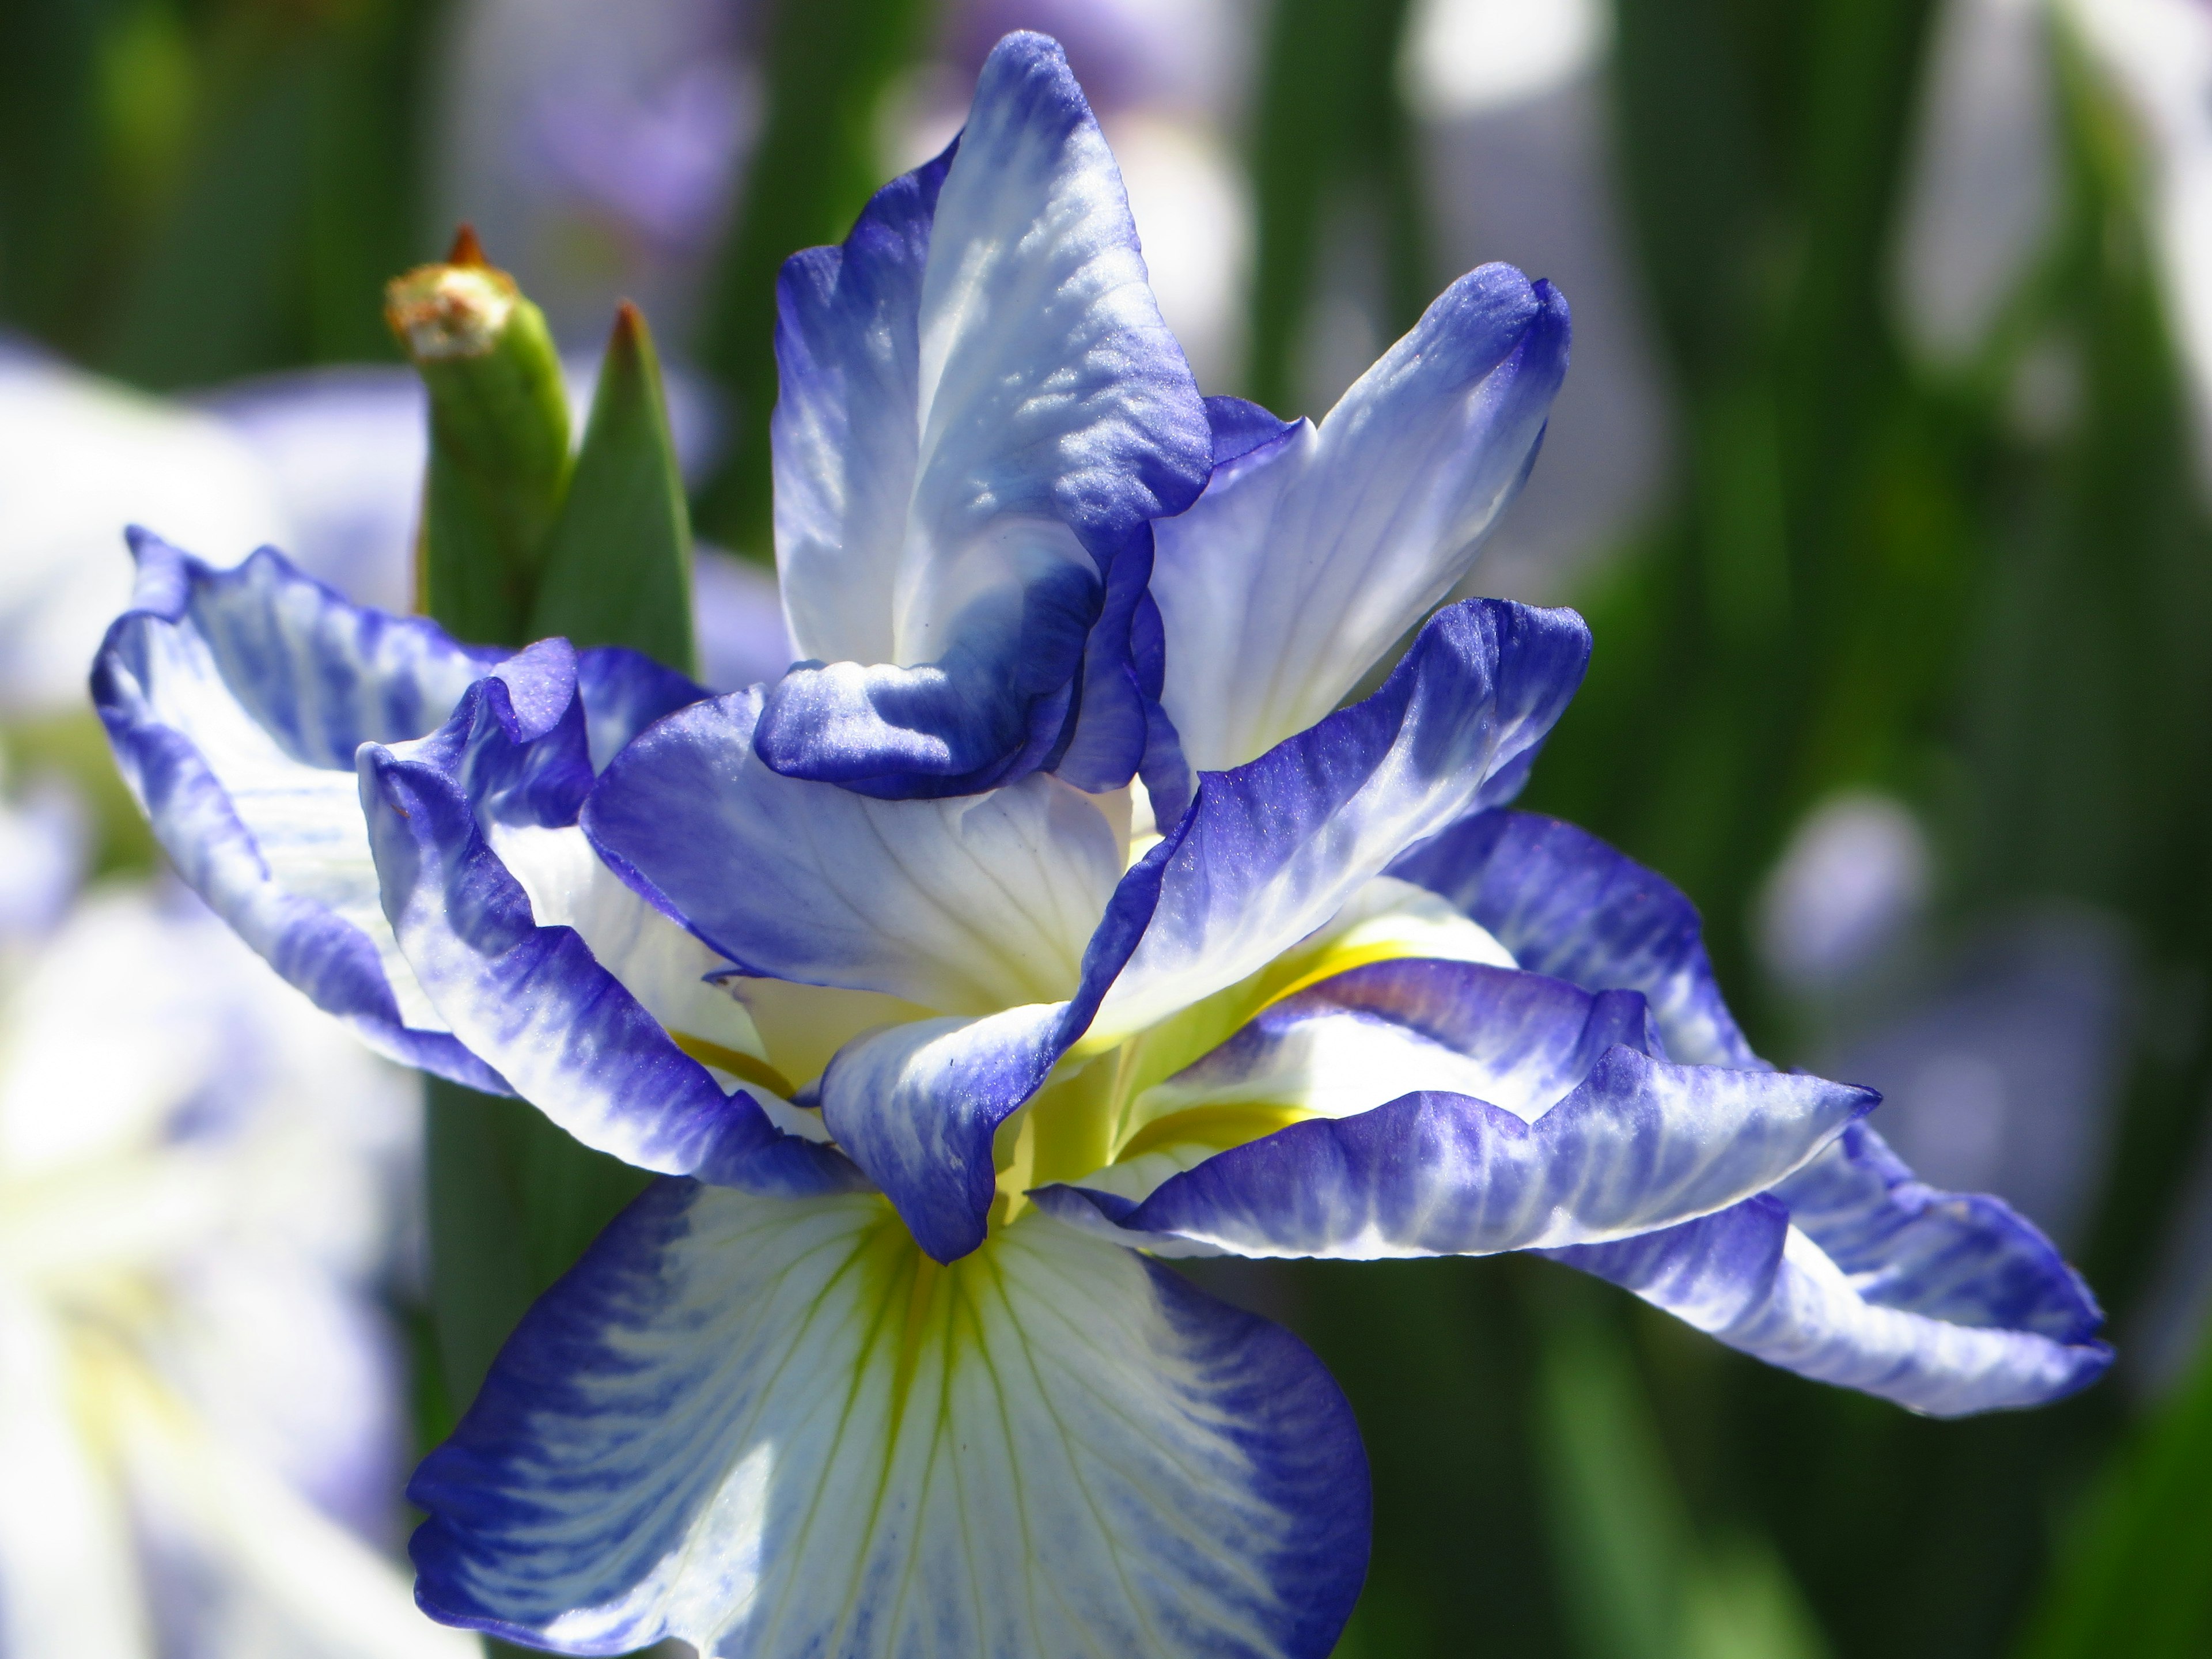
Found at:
(618, 570)
(513, 1200)
(499, 441)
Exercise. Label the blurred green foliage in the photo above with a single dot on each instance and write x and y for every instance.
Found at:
(1865, 571)
(191, 190)
(830, 64)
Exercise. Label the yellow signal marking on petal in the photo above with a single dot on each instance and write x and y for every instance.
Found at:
(1333, 963)
(739, 1065)
(921, 1295)
(1223, 1126)
(1017, 1165)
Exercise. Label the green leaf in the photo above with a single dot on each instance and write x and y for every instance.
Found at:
(618, 570)
(2131, 1576)
(1639, 1579)
(499, 441)
(1333, 161)
(513, 1200)
(1621, 1533)
(828, 64)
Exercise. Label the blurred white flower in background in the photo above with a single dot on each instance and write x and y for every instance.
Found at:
(42, 857)
(80, 458)
(1982, 190)
(2158, 54)
(324, 463)
(1982, 187)
(343, 449)
(200, 1422)
(1512, 102)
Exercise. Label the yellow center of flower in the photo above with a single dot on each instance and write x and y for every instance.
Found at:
(1103, 1105)
(746, 1068)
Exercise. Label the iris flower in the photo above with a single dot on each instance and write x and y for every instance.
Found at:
(1058, 915)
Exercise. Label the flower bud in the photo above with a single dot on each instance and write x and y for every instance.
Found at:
(499, 441)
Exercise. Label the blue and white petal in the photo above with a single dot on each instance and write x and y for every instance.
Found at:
(1361, 1038)
(567, 982)
(622, 693)
(1566, 904)
(1004, 914)
(1749, 1278)
(1313, 549)
(1848, 1270)
(1271, 849)
(235, 699)
(966, 906)
(1963, 1257)
(980, 411)
(1461, 1109)
(772, 1427)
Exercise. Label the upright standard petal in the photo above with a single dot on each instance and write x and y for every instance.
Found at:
(980, 412)
(1005, 913)
(1749, 1278)
(539, 994)
(235, 699)
(1458, 1108)
(772, 1427)
(1315, 548)
(1270, 850)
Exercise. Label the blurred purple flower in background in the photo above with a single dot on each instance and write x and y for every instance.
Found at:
(1997, 1046)
(597, 147)
(1853, 878)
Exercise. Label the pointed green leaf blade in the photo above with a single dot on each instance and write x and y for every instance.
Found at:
(617, 570)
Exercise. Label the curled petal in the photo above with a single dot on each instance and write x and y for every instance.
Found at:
(1007, 913)
(1566, 904)
(1640, 1143)
(1749, 1278)
(622, 693)
(774, 1427)
(539, 1000)
(1459, 1109)
(1848, 1270)
(1963, 1257)
(1271, 850)
(235, 699)
(1313, 549)
(980, 411)
(917, 1104)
